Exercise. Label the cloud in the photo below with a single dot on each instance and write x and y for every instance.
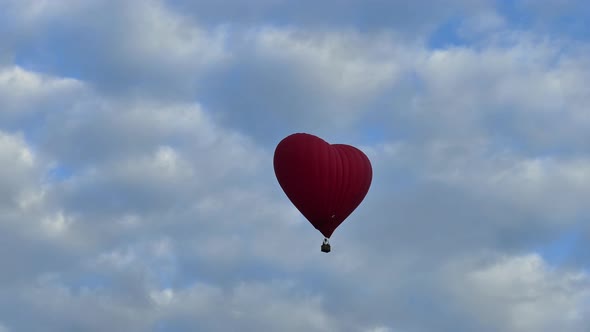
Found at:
(253, 306)
(34, 231)
(22, 92)
(414, 19)
(444, 198)
(523, 293)
(303, 80)
(550, 186)
(509, 88)
(137, 186)
(19, 166)
(142, 47)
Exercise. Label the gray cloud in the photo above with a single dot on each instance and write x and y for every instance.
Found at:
(142, 48)
(300, 80)
(416, 18)
(523, 293)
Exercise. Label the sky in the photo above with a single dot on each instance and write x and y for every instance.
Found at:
(137, 190)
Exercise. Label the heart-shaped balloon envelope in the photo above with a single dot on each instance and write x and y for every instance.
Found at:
(326, 182)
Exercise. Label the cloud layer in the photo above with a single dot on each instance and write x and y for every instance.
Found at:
(137, 189)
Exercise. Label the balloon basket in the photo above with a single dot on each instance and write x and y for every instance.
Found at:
(326, 246)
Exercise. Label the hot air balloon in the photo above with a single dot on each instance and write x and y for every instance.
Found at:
(325, 182)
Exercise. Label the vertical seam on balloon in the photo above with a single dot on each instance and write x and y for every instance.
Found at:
(332, 183)
(342, 175)
(334, 163)
(345, 183)
(318, 173)
(337, 181)
(354, 189)
(324, 179)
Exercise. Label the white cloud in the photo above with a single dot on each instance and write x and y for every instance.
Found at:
(248, 306)
(251, 306)
(552, 188)
(58, 307)
(17, 175)
(523, 293)
(345, 65)
(141, 46)
(57, 224)
(304, 80)
(22, 91)
(379, 329)
(507, 89)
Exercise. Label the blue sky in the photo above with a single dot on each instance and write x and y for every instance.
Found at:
(138, 194)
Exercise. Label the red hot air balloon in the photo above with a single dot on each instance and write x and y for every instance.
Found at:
(325, 182)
